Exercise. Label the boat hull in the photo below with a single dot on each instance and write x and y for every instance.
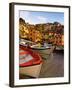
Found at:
(32, 71)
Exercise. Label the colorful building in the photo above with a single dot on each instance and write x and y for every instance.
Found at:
(50, 32)
(23, 30)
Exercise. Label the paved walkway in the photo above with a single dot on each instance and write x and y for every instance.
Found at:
(53, 67)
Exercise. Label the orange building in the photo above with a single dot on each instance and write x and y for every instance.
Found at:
(59, 39)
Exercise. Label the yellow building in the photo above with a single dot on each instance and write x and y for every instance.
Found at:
(23, 31)
(38, 36)
(31, 34)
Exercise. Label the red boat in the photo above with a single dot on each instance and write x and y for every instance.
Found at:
(30, 62)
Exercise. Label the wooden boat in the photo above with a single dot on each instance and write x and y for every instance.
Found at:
(30, 62)
(45, 52)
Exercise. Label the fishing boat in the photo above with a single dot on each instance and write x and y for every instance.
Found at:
(30, 62)
(44, 51)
